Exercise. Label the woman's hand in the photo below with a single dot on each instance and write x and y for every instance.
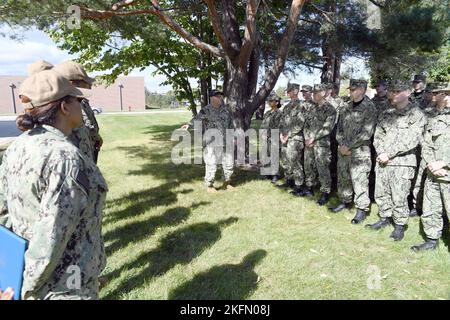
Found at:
(7, 295)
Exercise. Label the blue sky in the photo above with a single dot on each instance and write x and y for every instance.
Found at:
(15, 56)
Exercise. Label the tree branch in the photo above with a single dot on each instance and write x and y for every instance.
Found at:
(283, 50)
(168, 21)
(231, 24)
(249, 33)
(215, 21)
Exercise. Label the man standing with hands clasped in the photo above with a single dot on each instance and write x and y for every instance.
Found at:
(399, 132)
(356, 125)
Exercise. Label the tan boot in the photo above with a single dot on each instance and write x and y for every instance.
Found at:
(211, 190)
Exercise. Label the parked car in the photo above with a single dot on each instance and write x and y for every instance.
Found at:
(97, 110)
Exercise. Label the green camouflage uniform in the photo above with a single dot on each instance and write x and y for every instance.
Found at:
(381, 103)
(436, 147)
(87, 137)
(418, 98)
(216, 119)
(271, 121)
(319, 124)
(292, 123)
(398, 134)
(355, 129)
(53, 196)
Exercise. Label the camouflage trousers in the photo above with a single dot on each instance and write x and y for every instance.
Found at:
(419, 184)
(393, 185)
(317, 167)
(272, 158)
(213, 156)
(353, 178)
(436, 203)
(291, 161)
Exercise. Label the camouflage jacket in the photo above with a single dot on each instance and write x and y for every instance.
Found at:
(430, 110)
(418, 99)
(320, 122)
(53, 197)
(87, 136)
(337, 102)
(436, 146)
(398, 134)
(220, 118)
(271, 119)
(292, 120)
(381, 103)
(356, 126)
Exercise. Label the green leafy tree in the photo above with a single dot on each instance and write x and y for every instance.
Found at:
(235, 41)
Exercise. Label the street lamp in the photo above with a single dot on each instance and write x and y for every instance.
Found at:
(13, 86)
(120, 90)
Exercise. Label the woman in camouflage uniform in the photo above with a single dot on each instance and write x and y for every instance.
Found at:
(52, 195)
(271, 122)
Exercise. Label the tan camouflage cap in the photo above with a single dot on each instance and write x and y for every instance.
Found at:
(306, 88)
(72, 70)
(47, 86)
(357, 83)
(399, 85)
(320, 87)
(38, 66)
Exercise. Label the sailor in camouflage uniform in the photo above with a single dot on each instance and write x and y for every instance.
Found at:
(418, 95)
(307, 103)
(333, 96)
(320, 121)
(52, 195)
(270, 122)
(355, 128)
(420, 177)
(382, 103)
(380, 99)
(291, 136)
(86, 138)
(399, 132)
(216, 117)
(436, 155)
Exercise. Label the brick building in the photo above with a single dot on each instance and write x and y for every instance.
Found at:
(126, 94)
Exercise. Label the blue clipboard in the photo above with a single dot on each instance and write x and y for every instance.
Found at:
(12, 261)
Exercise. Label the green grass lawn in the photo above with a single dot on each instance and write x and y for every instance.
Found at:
(166, 238)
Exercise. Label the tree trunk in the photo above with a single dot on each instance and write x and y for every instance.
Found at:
(236, 95)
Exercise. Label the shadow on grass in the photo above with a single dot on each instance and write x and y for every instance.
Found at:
(142, 201)
(225, 282)
(135, 232)
(177, 248)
